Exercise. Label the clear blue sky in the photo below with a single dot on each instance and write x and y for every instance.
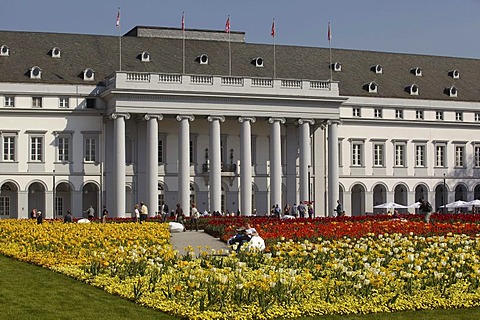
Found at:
(438, 27)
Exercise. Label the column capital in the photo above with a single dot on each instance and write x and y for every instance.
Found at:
(244, 119)
(189, 117)
(275, 119)
(302, 121)
(213, 118)
(149, 116)
(324, 124)
(116, 115)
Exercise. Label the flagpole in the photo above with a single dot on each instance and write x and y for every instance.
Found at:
(274, 59)
(330, 49)
(229, 50)
(119, 41)
(183, 29)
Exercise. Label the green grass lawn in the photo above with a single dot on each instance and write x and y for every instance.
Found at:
(31, 292)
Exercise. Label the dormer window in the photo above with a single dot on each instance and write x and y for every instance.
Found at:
(36, 73)
(455, 74)
(145, 56)
(377, 69)
(4, 51)
(258, 62)
(202, 59)
(371, 87)
(56, 52)
(452, 91)
(337, 66)
(413, 90)
(417, 72)
(88, 75)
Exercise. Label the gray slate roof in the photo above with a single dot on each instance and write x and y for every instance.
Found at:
(101, 53)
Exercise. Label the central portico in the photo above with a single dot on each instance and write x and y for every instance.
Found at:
(164, 123)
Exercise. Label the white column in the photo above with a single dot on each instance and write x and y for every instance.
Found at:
(305, 158)
(152, 162)
(276, 161)
(246, 165)
(119, 165)
(215, 168)
(184, 162)
(333, 179)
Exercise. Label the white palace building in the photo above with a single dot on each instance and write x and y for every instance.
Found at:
(219, 122)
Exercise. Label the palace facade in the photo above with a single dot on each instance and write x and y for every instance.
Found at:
(159, 115)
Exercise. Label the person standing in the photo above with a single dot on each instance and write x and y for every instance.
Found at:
(104, 214)
(90, 212)
(143, 212)
(426, 208)
(136, 213)
(164, 211)
(194, 215)
(39, 217)
(301, 210)
(295, 210)
(68, 217)
(33, 213)
(338, 209)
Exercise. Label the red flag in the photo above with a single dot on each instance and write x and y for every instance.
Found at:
(273, 28)
(329, 34)
(118, 18)
(227, 25)
(183, 21)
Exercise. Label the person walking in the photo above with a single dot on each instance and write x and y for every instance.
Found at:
(179, 215)
(301, 210)
(194, 215)
(426, 208)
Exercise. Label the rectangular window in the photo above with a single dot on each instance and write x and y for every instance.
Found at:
(90, 149)
(459, 116)
(378, 155)
(191, 153)
(399, 155)
(398, 114)
(160, 151)
(356, 112)
(377, 113)
(9, 101)
(59, 206)
(64, 102)
(63, 149)
(90, 103)
(440, 156)
(439, 115)
(476, 150)
(36, 148)
(37, 102)
(356, 154)
(8, 148)
(477, 116)
(420, 156)
(459, 153)
(419, 114)
(4, 206)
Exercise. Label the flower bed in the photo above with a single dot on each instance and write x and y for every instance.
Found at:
(378, 269)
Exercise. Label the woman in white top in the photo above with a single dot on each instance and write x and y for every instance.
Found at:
(136, 213)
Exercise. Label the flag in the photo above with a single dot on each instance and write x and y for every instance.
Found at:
(118, 18)
(273, 28)
(183, 21)
(329, 33)
(227, 25)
